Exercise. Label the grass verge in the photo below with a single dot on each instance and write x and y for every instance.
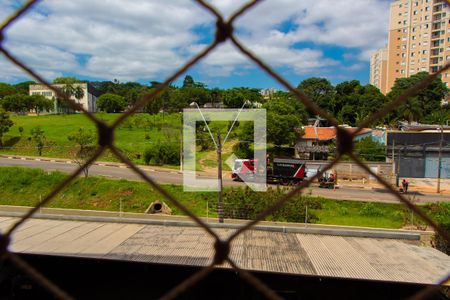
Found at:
(25, 187)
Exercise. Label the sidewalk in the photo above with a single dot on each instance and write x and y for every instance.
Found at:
(421, 185)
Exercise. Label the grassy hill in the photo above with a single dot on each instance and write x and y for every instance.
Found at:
(136, 134)
(133, 137)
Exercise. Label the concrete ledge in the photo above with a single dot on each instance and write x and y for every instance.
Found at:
(162, 220)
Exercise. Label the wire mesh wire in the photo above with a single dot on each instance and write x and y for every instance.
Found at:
(224, 32)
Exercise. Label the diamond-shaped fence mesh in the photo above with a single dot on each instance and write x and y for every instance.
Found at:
(224, 32)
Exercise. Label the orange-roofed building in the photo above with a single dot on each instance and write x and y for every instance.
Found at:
(313, 144)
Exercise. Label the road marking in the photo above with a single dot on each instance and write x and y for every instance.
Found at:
(23, 158)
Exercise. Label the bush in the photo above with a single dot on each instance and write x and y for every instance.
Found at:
(162, 153)
(439, 242)
(247, 204)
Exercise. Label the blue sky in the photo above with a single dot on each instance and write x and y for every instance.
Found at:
(147, 40)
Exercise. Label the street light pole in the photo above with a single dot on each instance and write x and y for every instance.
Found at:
(219, 175)
(440, 160)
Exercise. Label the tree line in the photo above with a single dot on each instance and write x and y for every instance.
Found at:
(349, 101)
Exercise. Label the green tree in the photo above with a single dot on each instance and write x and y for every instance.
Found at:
(69, 90)
(236, 97)
(181, 98)
(6, 89)
(282, 122)
(85, 141)
(440, 117)
(37, 134)
(347, 99)
(427, 101)
(111, 103)
(66, 80)
(320, 91)
(411, 110)
(188, 82)
(369, 150)
(24, 87)
(17, 103)
(40, 103)
(5, 124)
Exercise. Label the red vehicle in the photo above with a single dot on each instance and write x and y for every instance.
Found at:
(244, 168)
(284, 171)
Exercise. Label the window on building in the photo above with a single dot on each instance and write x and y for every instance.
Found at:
(412, 54)
(403, 54)
(415, 12)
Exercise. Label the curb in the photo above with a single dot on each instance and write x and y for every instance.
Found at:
(101, 164)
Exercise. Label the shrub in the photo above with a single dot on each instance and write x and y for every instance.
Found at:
(247, 204)
(162, 153)
(439, 242)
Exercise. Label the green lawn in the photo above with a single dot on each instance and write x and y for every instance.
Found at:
(380, 215)
(24, 187)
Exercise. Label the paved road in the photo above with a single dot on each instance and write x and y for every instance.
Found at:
(174, 177)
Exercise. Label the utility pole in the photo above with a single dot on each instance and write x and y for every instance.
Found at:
(219, 170)
(393, 161)
(440, 160)
(181, 146)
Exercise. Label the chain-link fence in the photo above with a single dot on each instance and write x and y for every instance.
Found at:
(224, 32)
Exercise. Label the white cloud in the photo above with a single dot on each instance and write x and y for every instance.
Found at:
(132, 40)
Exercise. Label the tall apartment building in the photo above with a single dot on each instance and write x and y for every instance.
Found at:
(378, 69)
(419, 40)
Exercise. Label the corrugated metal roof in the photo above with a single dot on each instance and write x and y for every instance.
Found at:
(292, 253)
